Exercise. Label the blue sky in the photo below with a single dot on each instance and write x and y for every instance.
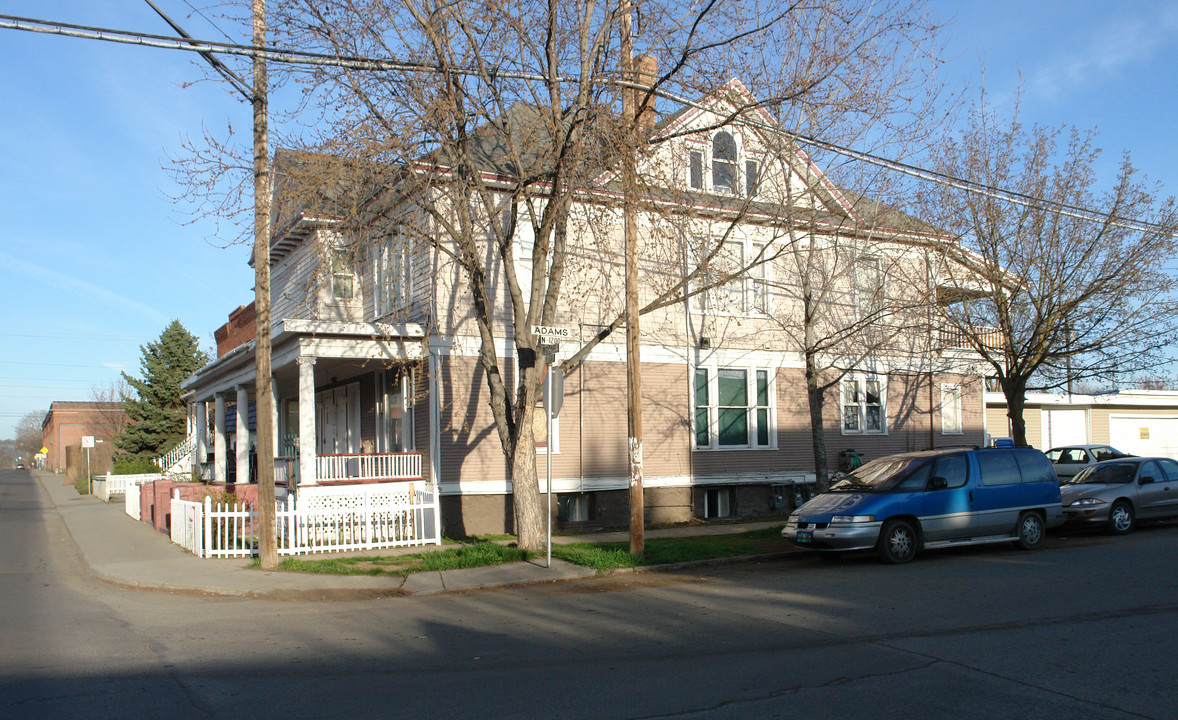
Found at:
(95, 259)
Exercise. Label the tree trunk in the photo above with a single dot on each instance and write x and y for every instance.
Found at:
(1015, 392)
(525, 494)
(814, 397)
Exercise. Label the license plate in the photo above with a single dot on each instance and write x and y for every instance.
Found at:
(805, 536)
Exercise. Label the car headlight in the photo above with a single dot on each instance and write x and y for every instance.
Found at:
(1086, 501)
(852, 518)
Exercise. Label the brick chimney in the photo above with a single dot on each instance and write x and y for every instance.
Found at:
(646, 70)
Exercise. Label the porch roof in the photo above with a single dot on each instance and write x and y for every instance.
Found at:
(293, 338)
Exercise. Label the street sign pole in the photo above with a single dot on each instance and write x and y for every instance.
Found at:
(553, 392)
(88, 442)
(548, 445)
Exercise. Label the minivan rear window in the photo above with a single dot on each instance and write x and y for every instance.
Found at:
(1035, 466)
(998, 468)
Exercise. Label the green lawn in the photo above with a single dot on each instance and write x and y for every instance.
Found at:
(664, 551)
(466, 556)
(601, 556)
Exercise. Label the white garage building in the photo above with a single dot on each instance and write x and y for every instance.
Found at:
(1140, 422)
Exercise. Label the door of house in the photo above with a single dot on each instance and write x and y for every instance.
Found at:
(337, 420)
(395, 426)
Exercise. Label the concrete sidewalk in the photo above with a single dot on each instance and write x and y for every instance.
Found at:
(119, 550)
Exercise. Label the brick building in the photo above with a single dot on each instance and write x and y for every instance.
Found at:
(67, 423)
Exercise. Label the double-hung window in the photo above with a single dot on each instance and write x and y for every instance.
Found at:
(951, 409)
(392, 274)
(737, 280)
(343, 274)
(869, 286)
(724, 162)
(864, 406)
(733, 409)
(695, 169)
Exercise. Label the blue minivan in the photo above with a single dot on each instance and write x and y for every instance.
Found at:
(938, 498)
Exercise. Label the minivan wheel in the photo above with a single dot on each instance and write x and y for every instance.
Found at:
(897, 542)
(1030, 530)
(1120, 518)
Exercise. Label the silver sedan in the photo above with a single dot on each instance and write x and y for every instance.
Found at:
(1116, 493)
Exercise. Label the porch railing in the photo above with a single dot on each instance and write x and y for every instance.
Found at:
(955, 338)
(368, 466)
(179, 459)
(406, 517)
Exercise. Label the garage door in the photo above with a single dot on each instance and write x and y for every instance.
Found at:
(1144, 434)
(1064, 427)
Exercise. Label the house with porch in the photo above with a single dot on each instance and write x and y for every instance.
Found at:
(375, 351)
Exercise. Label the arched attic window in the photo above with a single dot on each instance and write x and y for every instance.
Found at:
(724, 162)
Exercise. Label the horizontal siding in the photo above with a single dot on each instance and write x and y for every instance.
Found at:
(997, 424)
(592, 432)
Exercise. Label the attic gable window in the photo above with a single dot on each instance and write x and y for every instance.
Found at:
(720, 165)
(695, 169)
(723, 162)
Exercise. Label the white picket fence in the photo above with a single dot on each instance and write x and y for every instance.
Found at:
(132, 505)
(381, 519)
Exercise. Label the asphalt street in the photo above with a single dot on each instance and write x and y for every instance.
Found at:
(1082, 629)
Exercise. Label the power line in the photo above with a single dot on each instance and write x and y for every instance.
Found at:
(300, 57)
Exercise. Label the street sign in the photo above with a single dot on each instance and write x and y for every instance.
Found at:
(44, 451)
(87, 441)
(550, 332)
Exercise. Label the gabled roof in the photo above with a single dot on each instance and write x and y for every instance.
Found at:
(512, 148)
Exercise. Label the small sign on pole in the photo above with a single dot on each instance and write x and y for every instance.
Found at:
(88, 442)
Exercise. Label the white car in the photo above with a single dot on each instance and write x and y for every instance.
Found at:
(1069, 460)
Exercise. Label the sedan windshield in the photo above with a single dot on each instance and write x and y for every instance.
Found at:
(1107, 473)
(880, 475)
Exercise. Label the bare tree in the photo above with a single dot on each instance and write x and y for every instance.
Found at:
(1070, 283)
(109, 424)
(28, 434)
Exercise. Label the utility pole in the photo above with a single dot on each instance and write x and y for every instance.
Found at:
(267, 534)
(630, 223)
(264, 416)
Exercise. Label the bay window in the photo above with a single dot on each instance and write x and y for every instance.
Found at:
(733, 408)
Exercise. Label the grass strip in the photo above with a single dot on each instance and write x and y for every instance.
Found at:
(666, 551)
(599, 556)
(456, 558)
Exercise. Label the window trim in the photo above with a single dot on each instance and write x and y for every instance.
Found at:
(861, 380)
(752, 408)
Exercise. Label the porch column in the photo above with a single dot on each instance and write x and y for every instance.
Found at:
(243, 434)
(202, 437)
(307, 420)
(219, 456)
